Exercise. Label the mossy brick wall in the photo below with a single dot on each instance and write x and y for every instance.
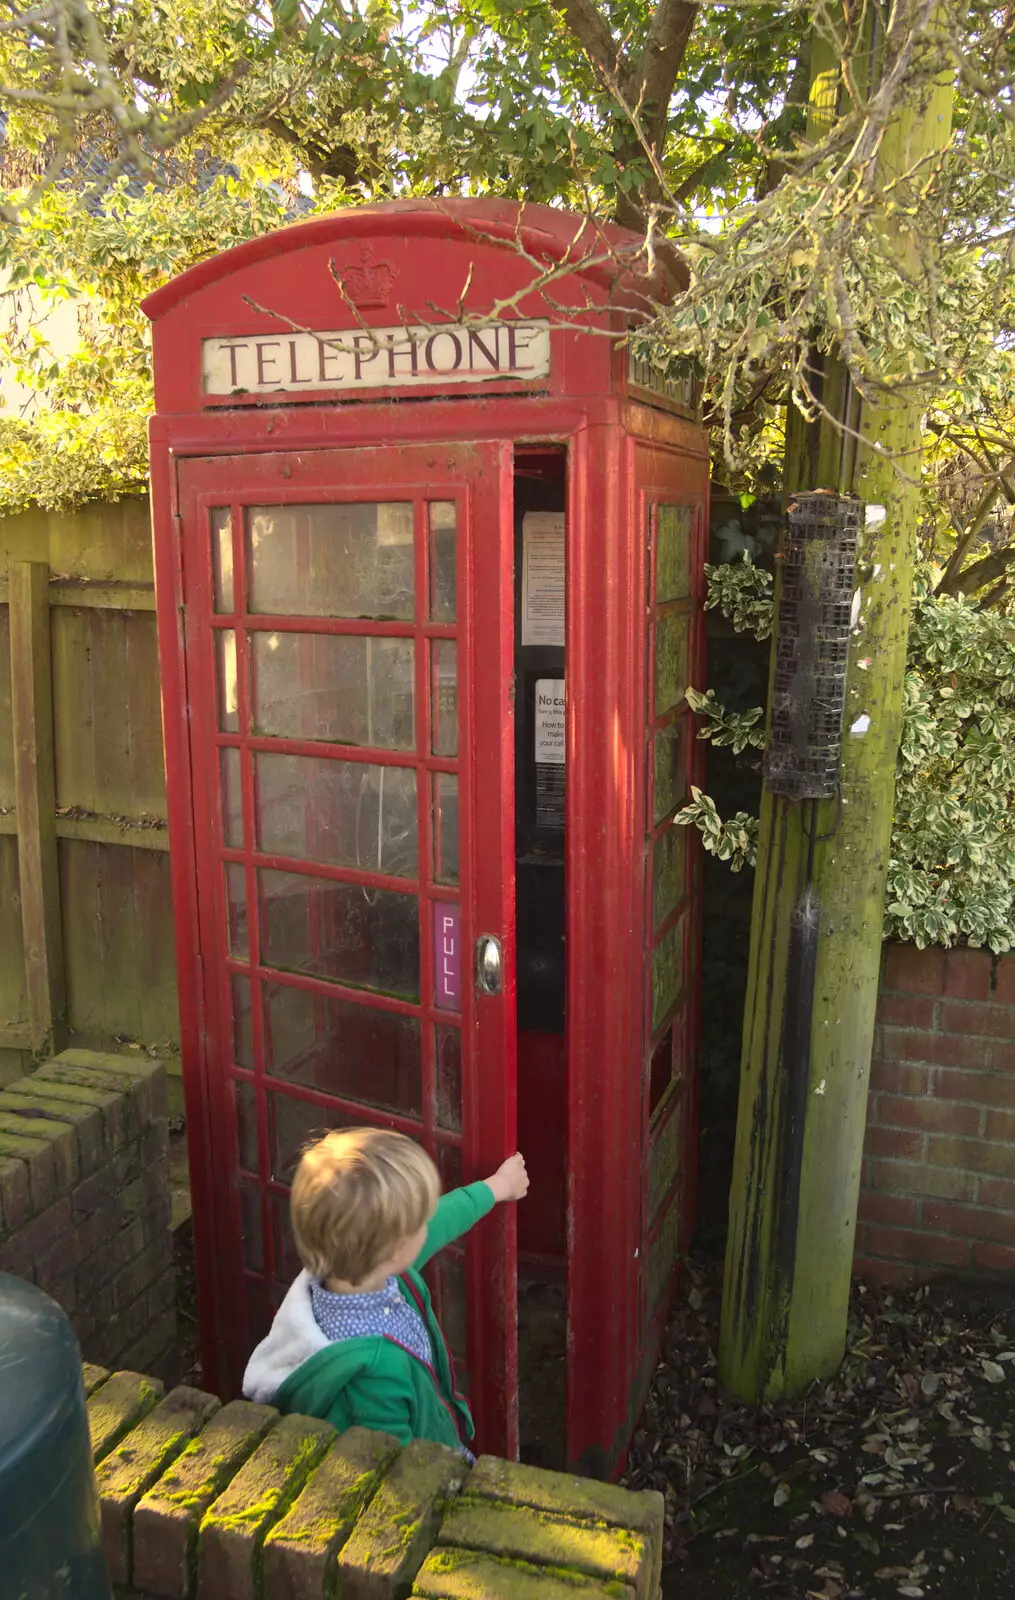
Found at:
(202, 1501)
(938, 1185)
(85, 1200)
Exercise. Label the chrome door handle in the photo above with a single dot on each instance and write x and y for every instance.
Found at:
(489, 964)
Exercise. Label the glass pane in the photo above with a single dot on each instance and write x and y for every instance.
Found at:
(671, 661)
(449, 1079)
(332, 561)
(660, 1071)
(350, 1051)
(246, 1125)
(365, 937)
(670, 769)
(232, 799)
(341, 689)
(236, 900)
(222, 557)
(250, 1227)
(243, 1025)
(662, 1257)
(287, 1262)
(294, 1124)
(346, 813)
(673, 553)
(260, 1310)
(442, 515)
(449, 1165)
(454, 1310)
(664, 1159)
(669, 873)
(291, 1028)
(444, 697)
(225, 656)
(445, 831)
(667, 973)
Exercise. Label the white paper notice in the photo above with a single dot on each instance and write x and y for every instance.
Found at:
(550, 721)
(543, 577)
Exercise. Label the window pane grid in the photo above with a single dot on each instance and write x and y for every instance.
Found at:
(670, 667)
(271, 829)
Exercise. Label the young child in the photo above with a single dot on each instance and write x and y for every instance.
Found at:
(355, 1339)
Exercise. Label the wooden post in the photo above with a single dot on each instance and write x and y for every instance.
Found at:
(35, 798)
(796, 1178)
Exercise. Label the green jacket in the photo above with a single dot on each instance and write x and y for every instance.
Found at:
(374, 1381)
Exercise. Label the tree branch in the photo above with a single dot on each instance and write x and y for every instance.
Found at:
(592, 31)
(949, 582)
(988, 570)
(650, 83)
(340, 162)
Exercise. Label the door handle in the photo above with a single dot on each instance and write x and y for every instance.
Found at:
(489, 964)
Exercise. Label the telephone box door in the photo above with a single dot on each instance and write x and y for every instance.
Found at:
(347, 620)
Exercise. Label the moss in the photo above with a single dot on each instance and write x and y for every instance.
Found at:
(470, 1575)
(289, 1477)
(512, 1533)
(117, 1407)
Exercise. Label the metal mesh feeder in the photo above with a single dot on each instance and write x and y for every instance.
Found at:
(804, 753)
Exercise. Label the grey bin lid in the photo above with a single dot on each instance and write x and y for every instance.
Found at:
(49, 1521)
(40, 1377)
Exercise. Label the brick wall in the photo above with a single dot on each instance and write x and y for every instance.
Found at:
(85, 1200)
(938, 1188)
(208, 1502)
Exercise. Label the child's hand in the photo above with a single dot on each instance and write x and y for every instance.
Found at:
(510, 1181)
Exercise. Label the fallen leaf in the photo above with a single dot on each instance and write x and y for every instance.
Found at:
(930, 1383)
(991, 1371)
(781, 1494)
(836, 1504)
(805, 1542)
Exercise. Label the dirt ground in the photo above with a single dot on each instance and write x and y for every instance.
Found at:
(894, 1479)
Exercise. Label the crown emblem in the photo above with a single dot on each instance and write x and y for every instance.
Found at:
(368, 283)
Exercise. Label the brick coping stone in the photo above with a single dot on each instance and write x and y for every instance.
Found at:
(204, 1501)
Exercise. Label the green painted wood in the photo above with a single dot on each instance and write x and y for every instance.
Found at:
(106, 542)
(121, 963)
(109, 757)
(6, 736)
(34, 781)
(89, 592)
(13, 999)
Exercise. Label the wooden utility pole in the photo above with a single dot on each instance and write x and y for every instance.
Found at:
(796, 1172)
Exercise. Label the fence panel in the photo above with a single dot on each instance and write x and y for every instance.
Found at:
(85, 928)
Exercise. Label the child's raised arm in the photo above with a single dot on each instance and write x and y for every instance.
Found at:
(460, 1210)
(510, 1181)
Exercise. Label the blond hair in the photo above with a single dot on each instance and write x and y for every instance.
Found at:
(357, 1193)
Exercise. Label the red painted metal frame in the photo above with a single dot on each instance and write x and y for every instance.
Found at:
(642, 455)
(584, 405)
(663, 480)
(477, 478)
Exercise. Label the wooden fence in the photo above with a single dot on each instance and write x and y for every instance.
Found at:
(86, 933)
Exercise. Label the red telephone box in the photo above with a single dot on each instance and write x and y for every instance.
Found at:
(384, 443)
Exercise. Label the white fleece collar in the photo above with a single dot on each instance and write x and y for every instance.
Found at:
(294, 1337)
